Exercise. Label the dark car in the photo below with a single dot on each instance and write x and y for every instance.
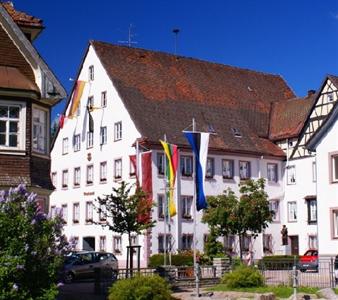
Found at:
(83, 265)
(308, 261)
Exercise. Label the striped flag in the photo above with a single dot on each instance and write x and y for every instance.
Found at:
(76, 98)
(199, 143)
(171, 153)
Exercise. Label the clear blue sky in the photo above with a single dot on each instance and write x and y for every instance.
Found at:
(297, 39)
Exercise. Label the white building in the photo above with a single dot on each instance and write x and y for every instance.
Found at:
(144, 95)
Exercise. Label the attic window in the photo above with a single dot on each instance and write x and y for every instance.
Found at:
(330, 97)
(236, 132)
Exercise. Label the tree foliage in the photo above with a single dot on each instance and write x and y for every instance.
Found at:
(228, 214)
(31, 247)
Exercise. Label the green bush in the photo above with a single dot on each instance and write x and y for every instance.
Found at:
(140, 288)
(243, 276)
(182, 259)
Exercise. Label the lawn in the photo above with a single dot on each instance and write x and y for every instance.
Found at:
(279, 291)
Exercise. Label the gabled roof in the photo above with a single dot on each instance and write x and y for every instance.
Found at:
(288, 117)
(163, 92)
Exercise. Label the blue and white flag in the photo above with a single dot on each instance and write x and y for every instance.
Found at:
(199, 143)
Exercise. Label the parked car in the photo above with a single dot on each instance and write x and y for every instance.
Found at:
(308, 261)
(82, 265)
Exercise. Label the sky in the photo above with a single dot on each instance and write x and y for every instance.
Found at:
(297, 39)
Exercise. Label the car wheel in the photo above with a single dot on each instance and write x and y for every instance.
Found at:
(302, 270)
(69, 277)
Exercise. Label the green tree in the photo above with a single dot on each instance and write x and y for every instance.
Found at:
(227, 214)
(126, 213)
(31, 247)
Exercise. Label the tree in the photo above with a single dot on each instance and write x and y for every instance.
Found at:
(227, 214)
(125, 213)
(31, 247)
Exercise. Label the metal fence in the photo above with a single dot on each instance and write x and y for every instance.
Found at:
(283, 273)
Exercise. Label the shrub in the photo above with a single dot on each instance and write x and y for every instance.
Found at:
(140, 288)
(31, 247)
(243, 276)
(181, 259)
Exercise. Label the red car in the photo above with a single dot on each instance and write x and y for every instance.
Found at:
(309, 261)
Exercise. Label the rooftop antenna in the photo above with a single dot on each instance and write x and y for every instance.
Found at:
(130, 37)
(176, 31)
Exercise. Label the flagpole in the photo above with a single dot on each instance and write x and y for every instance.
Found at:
(194, 216)
(165, 205)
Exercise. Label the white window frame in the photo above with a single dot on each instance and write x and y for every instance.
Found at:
(64, 181)
(210, 168)
(65, 146)
(76, 212)
(186, 202)
(244, 169)
(272, 172)
(64, 212)
(186, 165)
(89, 212)
(103, 213)
(314, 172)
(45, 130)
(103, 171)
(77, 177)
(118, 168)
(160, 206)
(54, 179)
(103, 243)
(160, 163)
(292, 211)
(90, 139)
(313, 241)
(118, 131)
(187, 241)
(21, 140)
(91, 101)
(160, 240)
(230, 243)
(103, 135)
(312, 211)
(267, 243)
(104, 99)
(228, 168)
(91, 73)
(291, 174)
(90, 174)
(274, 205)
(117, 244)
(77, 142)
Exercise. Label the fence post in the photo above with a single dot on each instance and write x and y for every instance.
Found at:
(295, 281)
(332, 275)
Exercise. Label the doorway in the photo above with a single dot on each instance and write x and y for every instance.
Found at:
(88, 243)
(294, 241)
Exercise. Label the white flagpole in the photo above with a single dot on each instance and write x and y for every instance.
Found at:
(165, 205)
(194, 216)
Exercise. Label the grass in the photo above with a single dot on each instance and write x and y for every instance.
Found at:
(279, 291)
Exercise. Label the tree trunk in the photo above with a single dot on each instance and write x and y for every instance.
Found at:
(240, 235)
(130, 255)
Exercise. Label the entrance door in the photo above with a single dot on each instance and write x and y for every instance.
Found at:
(88, 243)
(294, 244)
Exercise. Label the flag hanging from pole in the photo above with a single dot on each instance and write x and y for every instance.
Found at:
(171, 153)
(76, 98)
(199, 143)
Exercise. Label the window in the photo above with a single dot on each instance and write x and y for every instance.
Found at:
(12, 126)
(65, 146)
(274, 207)
(77, 176)
(330, 97)
(132, 165)
(118, 131)
(53, 211)
(64, 213)
(74, 242)
(314, 172)
(91, 73)
(117, 244)
(103, 171)
(210, 171)
(90, 102)
(246, 242)
(90, 174)
(186, 206)
(103, 135)
(161, 242)
(160, 206)
(160, 163)
(313, 242)
(187, 241)
(267, 243)
(334, 168)
(272, 172)
(312, 211)
(291, 174)
(102, 245)
(229, 243)
(103, 213)
(228, 169)
(103, 99)
(244, 170)
(90, 139)
(89, 212)
(39, 130)
(118, 168)
(186, 165)
(134, 240)
(292, 211)
(65, 179)
(76, 212)
(76, 142)
(54, 179)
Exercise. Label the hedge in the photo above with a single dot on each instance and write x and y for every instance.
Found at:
(176, 260)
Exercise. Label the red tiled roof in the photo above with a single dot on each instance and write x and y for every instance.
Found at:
(163, 92)
(21, 18)
(288, 117)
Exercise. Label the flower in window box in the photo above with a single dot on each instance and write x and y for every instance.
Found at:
(75, 221)
(64, 185)
(89, 220)
(186, 216)
(161, 216)
(117, 251)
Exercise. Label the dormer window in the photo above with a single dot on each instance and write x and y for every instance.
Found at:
(236, 132)
(91, 73)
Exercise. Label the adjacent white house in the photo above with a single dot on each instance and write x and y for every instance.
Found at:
(141, 95)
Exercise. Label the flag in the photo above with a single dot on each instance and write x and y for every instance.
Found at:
(61, 121)
(90, 121)
(199, 143)
(171, 153)
(76, 98)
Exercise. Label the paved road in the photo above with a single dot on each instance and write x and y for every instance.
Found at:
(79, 291)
